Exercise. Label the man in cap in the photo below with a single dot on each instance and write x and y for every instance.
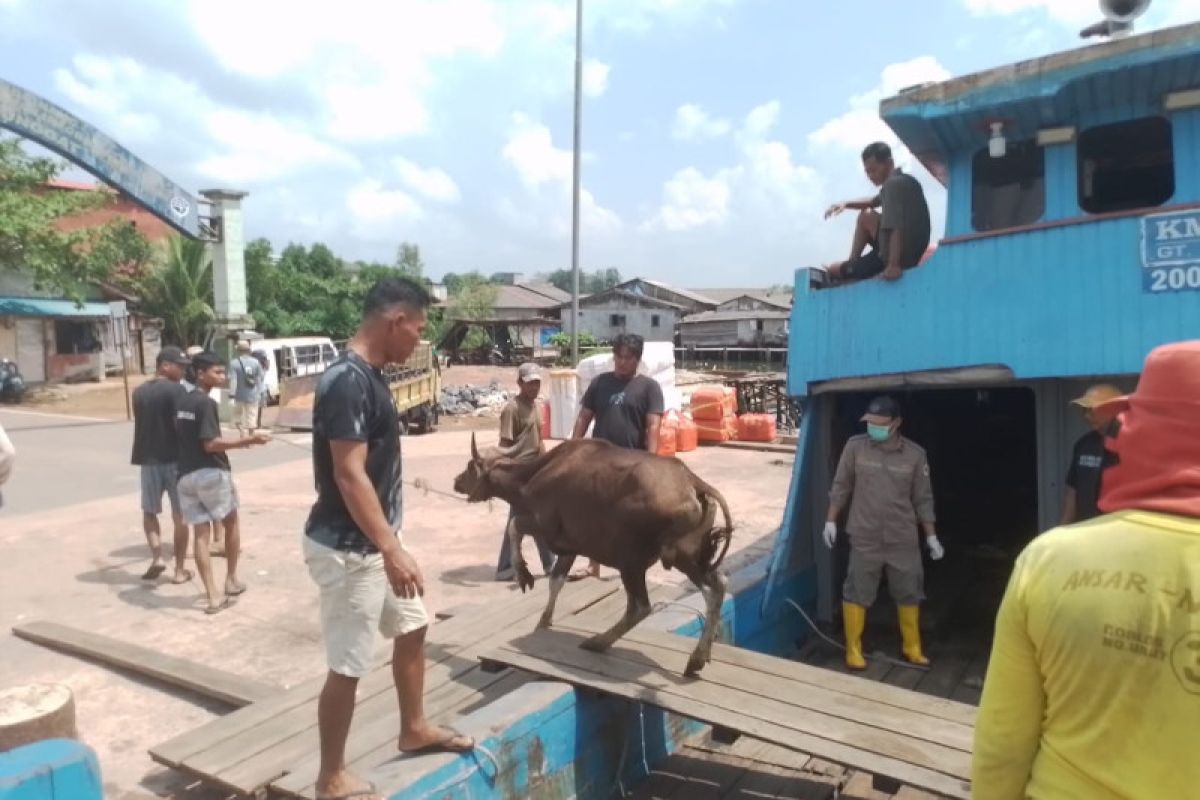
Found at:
(1089, 459)
(247, 377)
(884, 478)
(1093, 687)
(156, 454)
(520, 437)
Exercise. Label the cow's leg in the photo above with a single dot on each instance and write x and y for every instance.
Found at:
(637, 608)
(712, 586)
(520, 568)
(558, 576)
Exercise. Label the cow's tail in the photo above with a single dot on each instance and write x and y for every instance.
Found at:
(719, 539)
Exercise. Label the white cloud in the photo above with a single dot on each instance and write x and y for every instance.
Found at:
(692, 123)
(532, 153)
(257, 148)
(595, 77)
(430, 182)
(370, 203)
(691, 200)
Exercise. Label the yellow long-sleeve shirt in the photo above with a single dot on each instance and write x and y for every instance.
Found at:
(1093, 688)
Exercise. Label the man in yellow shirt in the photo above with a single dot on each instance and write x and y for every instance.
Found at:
(1093, 688)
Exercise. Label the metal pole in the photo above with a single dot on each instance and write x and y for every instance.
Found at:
(575, 184)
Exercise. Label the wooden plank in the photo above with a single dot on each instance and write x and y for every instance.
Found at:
(803, 675)
(373, 737)
(921, 764)
(909, 793)
(258, 726)
(861, 787)
(944, 674)
(212, 683)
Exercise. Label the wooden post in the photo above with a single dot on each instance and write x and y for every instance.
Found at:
(34, 712)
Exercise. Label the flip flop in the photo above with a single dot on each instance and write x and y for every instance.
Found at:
(182, 577)
(154, 571)
(444, 745)
(241, 589)
(366, 791)
(226, 603)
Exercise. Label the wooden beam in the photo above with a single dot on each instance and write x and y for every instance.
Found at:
(206, 681)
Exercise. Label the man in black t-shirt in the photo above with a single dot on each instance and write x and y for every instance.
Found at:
(1089, 458)
(352, 546)
(626, 408)
(899, 236)
(206, 491)
(156, 452)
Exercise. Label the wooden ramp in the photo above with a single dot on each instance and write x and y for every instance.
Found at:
(273, 742)
(921, 741)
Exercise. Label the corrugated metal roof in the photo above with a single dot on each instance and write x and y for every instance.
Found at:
(550, 290)
(45, 307)
(690, 295)
(719, 316)
(599, 297)
(523, 297)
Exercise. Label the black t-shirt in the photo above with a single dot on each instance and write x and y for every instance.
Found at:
(1089, 459)
(197, 422)
(154, 438)
(620, 408)
(904, 207)
(353, 403)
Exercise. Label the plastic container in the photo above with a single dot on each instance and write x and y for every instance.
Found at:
(713, 403)
(710, 431)
(563, 400)
(686, 436)
(667, 433)
(756, 428)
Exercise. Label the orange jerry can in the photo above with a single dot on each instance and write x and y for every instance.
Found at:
(667, 434)
(687, 435)
(543, 409)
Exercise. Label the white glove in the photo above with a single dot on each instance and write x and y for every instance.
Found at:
(829, 534)
(936, 551)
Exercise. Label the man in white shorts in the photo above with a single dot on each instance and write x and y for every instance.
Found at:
(352, 547)
(206, 491)
(247, 376)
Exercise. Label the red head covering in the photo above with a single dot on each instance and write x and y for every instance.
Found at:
(1159, 440)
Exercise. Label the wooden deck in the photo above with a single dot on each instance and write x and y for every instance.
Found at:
(273, 742)
(920, 741)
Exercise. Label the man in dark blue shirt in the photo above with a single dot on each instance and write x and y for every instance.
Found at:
(352, 546)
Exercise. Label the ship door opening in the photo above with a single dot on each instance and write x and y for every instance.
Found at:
(982, 450)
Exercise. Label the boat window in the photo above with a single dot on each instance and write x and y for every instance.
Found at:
(1011, 190)
(1126, 165)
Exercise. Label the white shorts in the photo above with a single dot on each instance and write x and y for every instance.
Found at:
(207, 495)
(356, 601)
(245, 416)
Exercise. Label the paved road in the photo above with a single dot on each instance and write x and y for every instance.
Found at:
(63, 460)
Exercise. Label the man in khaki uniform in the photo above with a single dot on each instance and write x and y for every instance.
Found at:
(885, 479)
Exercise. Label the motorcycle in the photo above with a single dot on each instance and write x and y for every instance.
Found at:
(12, 385)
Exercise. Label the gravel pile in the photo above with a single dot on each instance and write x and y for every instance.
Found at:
(473, 401)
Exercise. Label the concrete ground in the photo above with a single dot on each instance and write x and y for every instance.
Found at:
(74, 551)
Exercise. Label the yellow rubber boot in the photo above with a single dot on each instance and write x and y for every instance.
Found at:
(854, 619)
(910, 634)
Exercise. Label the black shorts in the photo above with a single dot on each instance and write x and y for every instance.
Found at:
(868, 265)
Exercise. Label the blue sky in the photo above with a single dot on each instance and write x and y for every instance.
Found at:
(716, 131)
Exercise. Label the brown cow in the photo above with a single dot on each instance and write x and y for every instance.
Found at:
(624, 508)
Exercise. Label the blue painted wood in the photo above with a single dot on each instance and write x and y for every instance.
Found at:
(810, 420)
(54, 769)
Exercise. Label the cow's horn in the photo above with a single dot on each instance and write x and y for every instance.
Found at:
(474, 449)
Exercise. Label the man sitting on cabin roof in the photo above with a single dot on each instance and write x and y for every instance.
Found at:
(898, 237)
(1093, 688)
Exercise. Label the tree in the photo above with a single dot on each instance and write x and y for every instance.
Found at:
(475, 302)
(589, 282)
(180, 291)
(31, 234)
(408, 261)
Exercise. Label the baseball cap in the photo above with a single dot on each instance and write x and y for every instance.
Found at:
(1097, 395)
(172, 355)
(882, 407)
(528, 372)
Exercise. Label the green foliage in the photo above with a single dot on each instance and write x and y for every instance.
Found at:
(455, 282)
(408, 261)
(31, 215)
(563, 341)
(180, 292)
(589, 282)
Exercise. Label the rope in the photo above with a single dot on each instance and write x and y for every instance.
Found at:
(876, 656)
(662, 604)
(457, 779)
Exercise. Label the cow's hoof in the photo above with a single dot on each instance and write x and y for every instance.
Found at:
(596, 644)
(542, 624)
(525, 580)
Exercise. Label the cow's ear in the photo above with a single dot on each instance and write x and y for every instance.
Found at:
(474, 449)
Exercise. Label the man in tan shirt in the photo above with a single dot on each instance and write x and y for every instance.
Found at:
(521, 436)
(884, 478)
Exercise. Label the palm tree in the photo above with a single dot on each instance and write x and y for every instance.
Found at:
(180, 292)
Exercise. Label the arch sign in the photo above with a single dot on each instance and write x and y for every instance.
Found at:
(55, 128)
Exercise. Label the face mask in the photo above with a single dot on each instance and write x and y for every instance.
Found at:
(879, 433)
